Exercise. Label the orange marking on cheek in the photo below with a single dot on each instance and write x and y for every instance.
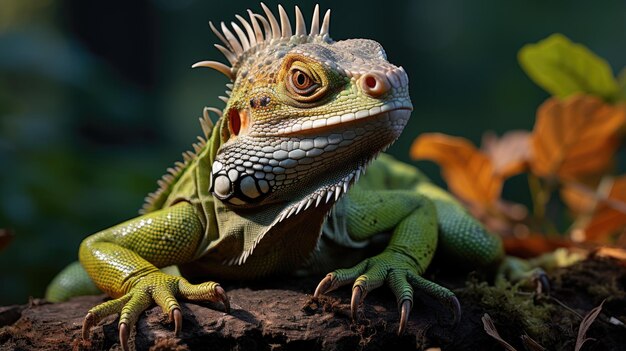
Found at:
(244, 116)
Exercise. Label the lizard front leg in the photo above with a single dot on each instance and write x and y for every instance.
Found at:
(413, 220)
(124, 262)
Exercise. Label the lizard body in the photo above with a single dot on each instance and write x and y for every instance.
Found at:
(304, 118)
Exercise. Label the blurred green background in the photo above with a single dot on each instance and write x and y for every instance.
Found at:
(98, 98)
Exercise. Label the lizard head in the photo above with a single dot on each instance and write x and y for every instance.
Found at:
(306, 114)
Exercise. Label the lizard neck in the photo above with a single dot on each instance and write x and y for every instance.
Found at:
(239, 231)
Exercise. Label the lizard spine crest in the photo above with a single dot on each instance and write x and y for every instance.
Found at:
(238, 48)
(155, 200)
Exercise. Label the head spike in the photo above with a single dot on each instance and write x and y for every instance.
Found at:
(266, 26)
(205, 113)
(325, 24)
(273, 22)
(218, 66)
(300, 26)
(234, 43)
(197, 148)
(255, 25)
(285, 25)
(230, 56)
(223, 98)
(315, 21)
(206, 123)
(219, 35)
(217, 111)
(249, 30)
(242, 36)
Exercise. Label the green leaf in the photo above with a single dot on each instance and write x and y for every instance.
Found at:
(564, 68)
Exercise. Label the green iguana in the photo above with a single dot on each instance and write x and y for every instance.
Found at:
(275, 186)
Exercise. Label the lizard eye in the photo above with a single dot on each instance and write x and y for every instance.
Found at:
(301, 83)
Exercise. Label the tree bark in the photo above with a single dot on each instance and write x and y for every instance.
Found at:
(281, 315)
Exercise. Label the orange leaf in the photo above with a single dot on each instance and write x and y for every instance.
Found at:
(510, 153)
(575, 137)
(607, 207)
(580, 202)
(533, 245)
(610, 215)
(469, 174)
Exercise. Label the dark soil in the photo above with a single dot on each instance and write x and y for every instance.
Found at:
(282, 316)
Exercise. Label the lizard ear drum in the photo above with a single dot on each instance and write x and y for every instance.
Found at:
(234, 121)
(238, 121)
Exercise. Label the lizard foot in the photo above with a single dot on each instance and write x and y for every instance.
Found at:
(522, 272)
(156, 287)
(531, 273)
(398, 271)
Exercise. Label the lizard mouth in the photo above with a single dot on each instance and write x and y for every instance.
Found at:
(349, 141)
(397, 114)
(391, 109)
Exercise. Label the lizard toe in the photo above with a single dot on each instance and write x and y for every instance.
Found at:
(373, 278)
(163, 295)
(339, 278)
(139, 301)
(444, 295)
(100, 311)
(207, 291)
(403, 291)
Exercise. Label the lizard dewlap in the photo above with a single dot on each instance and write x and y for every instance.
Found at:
(273, 187)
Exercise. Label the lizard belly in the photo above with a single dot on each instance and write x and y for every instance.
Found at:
(304, 248)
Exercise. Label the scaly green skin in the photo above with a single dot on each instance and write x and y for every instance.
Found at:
(304, 118)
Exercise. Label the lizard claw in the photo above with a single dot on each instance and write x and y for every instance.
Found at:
(542, 283)
(177, 317)
(456, 309)
(323, 286)
(357, 298)
(88, 322)
(221, 295)
(405, 309)
(124, 335)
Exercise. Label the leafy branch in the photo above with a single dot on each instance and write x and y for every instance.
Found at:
(570, 151)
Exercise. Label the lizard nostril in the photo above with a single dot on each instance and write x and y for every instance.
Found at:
(374, 84)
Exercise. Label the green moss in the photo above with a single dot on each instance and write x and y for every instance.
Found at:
(516, 312)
